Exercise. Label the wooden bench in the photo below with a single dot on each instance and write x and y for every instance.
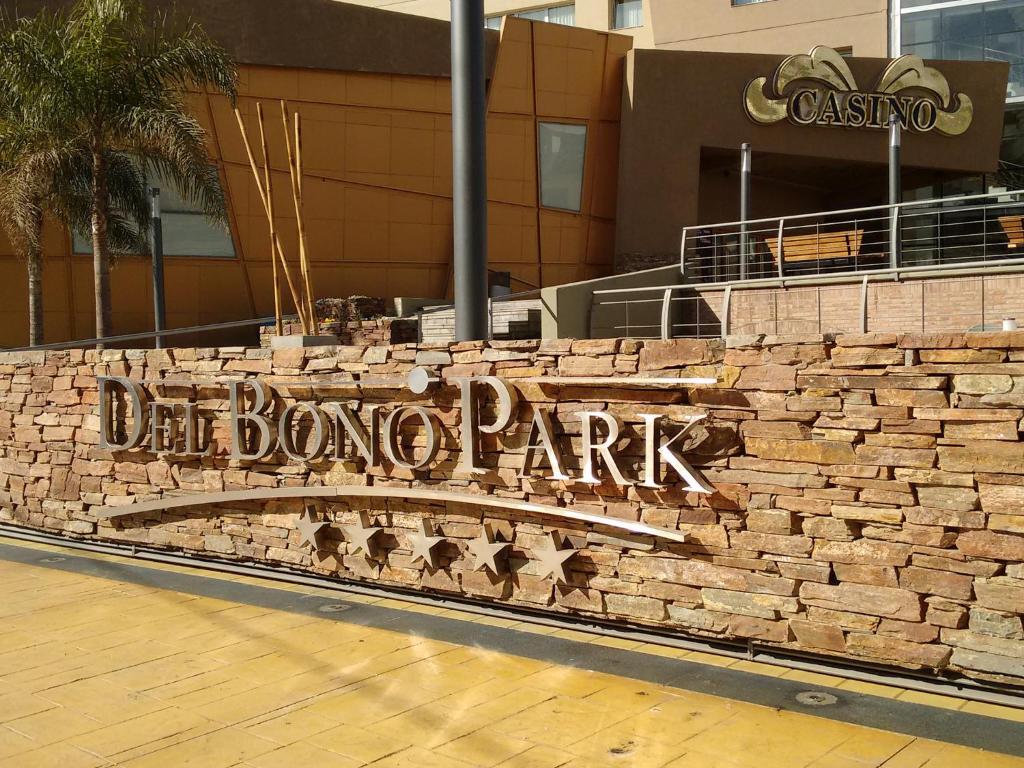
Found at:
(818, 247)
(1013, 228)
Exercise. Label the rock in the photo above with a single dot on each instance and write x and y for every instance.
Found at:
(675, 353)
(944, 583)
(868, 514)
(1001, 499)
(813, 451)
(976, 384)
(987, 662)
(861, 598)
(746, 604)
(940, 497)
(759, 629)
(996, 546)
(828, 528)
(1000, 593)
(855, 357)
(778, 521)
(981, 456)
(810, 634)
(770, 378)
(923, 458)
(986, 622)
(944, 517)
(901, 651)
(698, 619)
(863, 551)
(635, 607)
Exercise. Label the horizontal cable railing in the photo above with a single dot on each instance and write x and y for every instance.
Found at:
(725, 266)
(976, 228)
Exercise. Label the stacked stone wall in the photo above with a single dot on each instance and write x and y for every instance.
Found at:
(868, 495)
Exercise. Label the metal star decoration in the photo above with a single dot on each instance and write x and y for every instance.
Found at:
(309, 528)
(553, 558)
(424, 542)
(488, 552)
(360, 536)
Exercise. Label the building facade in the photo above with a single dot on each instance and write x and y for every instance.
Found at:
(598, 156)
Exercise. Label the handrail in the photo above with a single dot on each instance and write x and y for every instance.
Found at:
(907, 204)
(147, 335)
(962, 268)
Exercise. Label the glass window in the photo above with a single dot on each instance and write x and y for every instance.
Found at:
(556, 14)
(747, 2)
(562, 149)
(628, 13)
(187, 231)
(975, 31)
(493, 22)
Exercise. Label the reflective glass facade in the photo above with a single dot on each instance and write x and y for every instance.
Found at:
(975, 31)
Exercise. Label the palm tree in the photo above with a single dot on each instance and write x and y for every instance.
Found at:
(114, 78)
(41, 172)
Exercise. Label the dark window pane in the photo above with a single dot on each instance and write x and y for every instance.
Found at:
(920, 28)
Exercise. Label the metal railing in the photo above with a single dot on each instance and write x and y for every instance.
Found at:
(781, 284)
(116, 341)
(922, 233)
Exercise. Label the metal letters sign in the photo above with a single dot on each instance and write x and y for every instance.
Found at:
(820, 89)
(261, 426)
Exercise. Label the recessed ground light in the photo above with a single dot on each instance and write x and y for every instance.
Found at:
(333, 608)
(53, 560)
(816, 699)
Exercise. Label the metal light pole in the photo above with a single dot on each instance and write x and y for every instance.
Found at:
(469, 149)
(895, 190)
(745, 170)
(159, 311)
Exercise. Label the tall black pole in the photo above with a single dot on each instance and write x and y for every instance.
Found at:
(745, 170)
(895, 190)
(159, 311)
(469, 114)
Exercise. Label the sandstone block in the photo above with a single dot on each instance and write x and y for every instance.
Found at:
(875, 575)
(863, 552)
(896, 457)
(828, 528)
(746, 604)
(944, 583)
(912, 397)
(1000, 593)
(772, 378)
(675, 353)
(987, 662)
(995, 623)
(766, 542)
(759, 629)
(779, 521)
(855, 357)
(982, 456)
(810, 634)
(812, 451)
(940, 497)
(944, 517)
(982, 384)
(1001, 499)
(867, 514)
(995, 546)
(861, 598)
(698, 619)
(900, 651)
(635, 606)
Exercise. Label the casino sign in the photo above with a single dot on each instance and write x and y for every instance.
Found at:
(820, 89)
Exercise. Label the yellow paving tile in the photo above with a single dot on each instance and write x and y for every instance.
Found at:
(98, 673)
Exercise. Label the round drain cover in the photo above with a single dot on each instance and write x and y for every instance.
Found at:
(816, 699)
(333, 608)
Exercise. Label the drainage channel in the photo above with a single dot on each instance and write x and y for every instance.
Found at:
(963, 688)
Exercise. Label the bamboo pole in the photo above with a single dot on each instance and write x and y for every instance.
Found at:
(310, 293)
(297, 199)
(276, 251)
(278, 322)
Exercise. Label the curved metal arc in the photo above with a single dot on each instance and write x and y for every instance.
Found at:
(359, 491)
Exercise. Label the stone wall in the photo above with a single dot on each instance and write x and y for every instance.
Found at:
(868, 495)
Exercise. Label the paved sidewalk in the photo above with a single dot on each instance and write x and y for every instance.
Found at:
(101, 672)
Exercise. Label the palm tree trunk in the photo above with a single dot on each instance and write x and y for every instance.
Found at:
(100, 247)
(35, 284)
